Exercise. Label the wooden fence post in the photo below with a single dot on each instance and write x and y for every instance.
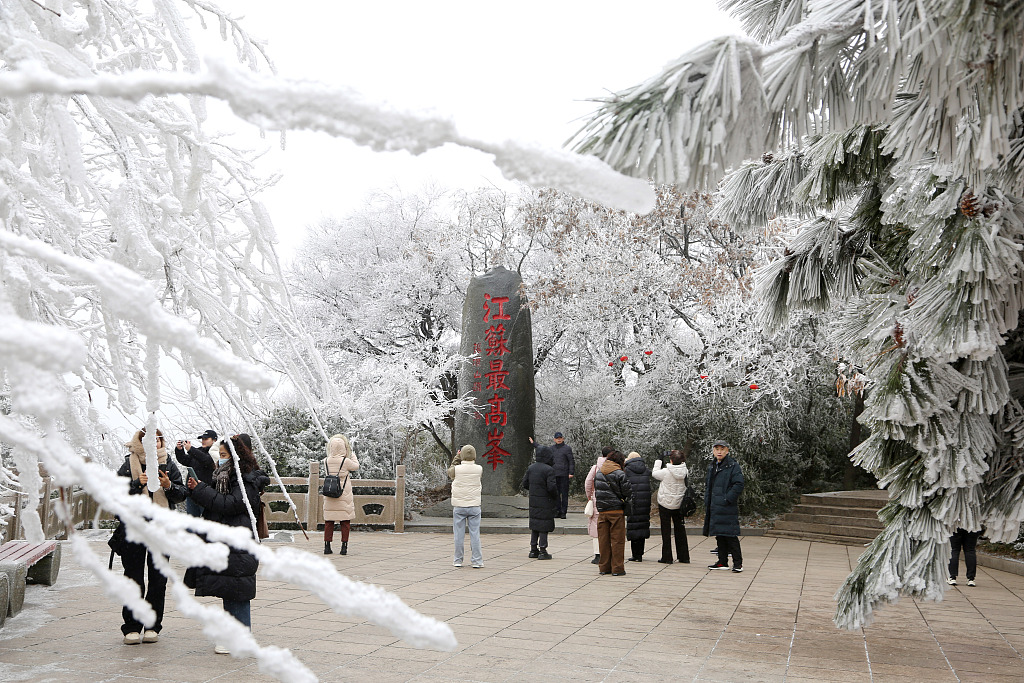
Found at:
(400, 499)
(313, 495)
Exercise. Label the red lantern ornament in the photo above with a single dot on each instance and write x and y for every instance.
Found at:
(703, 376)
(612, 364)
(647, 353)
(753, 387)
(624, 358)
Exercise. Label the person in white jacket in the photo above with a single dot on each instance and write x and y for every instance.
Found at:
(672, 478)
(466, 504)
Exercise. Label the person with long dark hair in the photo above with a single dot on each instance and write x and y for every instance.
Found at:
(670, 500)
(224, 501)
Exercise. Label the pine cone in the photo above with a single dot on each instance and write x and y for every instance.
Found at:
(767, 157)
(969, 204)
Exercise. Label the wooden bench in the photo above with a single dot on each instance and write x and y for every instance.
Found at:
(22, 562)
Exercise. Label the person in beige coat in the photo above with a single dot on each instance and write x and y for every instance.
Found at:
(341, 461)
(466, 476)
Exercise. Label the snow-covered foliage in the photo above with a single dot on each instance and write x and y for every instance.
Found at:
(891, 133)
(669, 291)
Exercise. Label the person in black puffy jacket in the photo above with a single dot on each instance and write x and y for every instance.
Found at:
(613, 494)
(225, 502)
(638, 522)
(539, 480)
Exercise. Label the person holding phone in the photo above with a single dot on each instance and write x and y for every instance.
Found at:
(135, 557)
(201, 460)
(224, 501)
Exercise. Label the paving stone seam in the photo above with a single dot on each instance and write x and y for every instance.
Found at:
(942, 650)
(850, 563)
(796, 616)
(734, 610)
(989, 621)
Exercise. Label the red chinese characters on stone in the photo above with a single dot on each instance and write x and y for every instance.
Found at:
(495, 453)
(498, 302)
(496, 416)
(497, 376)
(497, 344)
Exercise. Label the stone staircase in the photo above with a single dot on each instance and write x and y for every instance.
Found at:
(846, 517)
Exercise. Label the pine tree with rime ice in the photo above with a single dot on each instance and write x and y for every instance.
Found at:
(891, 136)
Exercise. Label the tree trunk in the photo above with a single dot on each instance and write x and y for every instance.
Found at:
(850, 474)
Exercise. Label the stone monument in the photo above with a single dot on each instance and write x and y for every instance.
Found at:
(497, 335)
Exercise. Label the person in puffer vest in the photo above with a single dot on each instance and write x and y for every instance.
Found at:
(465, 475)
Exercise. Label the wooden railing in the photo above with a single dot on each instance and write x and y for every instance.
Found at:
(385, 510)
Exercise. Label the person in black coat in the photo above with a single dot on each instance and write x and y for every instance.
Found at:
(721, 509)
(638, 522)
(564, 463)
(539, 480)
(135, 557)
(200, 460)
(225, 502)
(612, 495)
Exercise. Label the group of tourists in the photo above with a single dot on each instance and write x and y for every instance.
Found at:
(213, 489)
(619, 494)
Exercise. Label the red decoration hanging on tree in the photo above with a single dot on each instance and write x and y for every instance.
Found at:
(754, 386)
(624, 358)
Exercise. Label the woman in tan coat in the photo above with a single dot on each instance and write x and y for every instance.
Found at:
(340, 461)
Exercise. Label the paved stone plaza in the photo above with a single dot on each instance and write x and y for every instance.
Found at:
(527, 620)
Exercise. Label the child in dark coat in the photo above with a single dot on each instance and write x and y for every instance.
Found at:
(539, 480)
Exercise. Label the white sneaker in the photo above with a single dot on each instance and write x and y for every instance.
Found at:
(456, 564)
(478, 566)
(951, 581)
(970, 582)
(150, 636)
(132, 638)
(221, 650)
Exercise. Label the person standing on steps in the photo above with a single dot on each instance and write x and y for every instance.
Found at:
(565, 469)
(721, 506)
(466, 475)
(539, 480)
(670, 500)
(588, 487)
(340, 461)
(200, 460)
(613, 495)
(638, 523)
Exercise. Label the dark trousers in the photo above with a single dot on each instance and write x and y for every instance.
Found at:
(538, 539)
(670, 518)
(968, 540)
(345, 526)
(563, 493)
(136, 559)
(637, 547)
(729, 545)
(611, 540)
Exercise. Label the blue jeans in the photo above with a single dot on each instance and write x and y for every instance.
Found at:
(460, 517)
(239, 609)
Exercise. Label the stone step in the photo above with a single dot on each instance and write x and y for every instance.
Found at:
(820, 538)
(872, 498)
(835, 511)
(828, 529)
(837, 520)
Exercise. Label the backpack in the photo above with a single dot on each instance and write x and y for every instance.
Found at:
(333, 486)
(689, 504)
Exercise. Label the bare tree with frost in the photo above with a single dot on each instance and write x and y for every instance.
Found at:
(132, 242)
(891, 133)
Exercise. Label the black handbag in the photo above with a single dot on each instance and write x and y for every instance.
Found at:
(689, 504)
(333, 485)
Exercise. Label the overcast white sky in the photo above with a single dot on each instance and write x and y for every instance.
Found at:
(521, 70)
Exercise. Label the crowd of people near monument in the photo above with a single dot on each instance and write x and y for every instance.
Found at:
(619, 492)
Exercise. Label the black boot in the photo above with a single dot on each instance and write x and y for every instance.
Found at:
(344, 547)
(327, 548)
(544, 554)
(596, 560)
(533, 553)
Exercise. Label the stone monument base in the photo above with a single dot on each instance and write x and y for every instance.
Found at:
(491, 506)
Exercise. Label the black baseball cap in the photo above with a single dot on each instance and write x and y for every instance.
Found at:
(208, 434)
(558, 435)
(720, 442)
